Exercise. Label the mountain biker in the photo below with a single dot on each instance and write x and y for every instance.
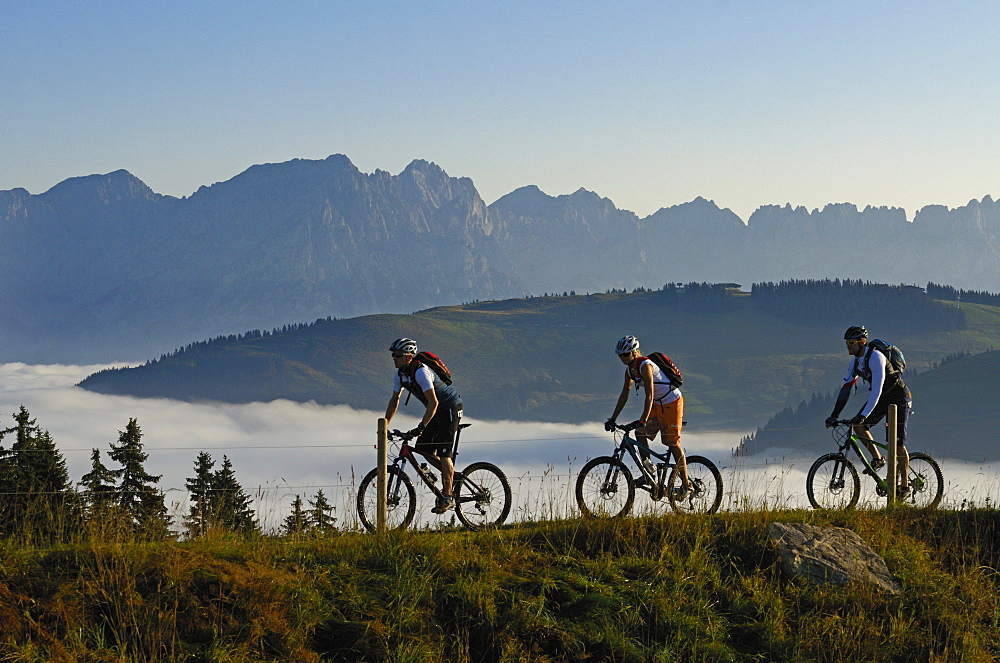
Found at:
(442, 413)
(887, 388)
(662, 409)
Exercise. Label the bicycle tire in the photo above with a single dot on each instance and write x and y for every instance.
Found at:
(482, 497)
(605, 488)
(401, 500)
(926, 482)
(706, 484)
(833, 483)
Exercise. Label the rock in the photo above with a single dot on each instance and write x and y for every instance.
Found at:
(829, 555)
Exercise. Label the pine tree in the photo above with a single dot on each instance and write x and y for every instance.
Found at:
(201, 516)
(321, 513)
(136, 490)
(39, 499)
(234, 512)
(218, 500)
(98, 486)
(296, 521)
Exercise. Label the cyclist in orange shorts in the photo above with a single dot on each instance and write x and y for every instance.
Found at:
(662, 410)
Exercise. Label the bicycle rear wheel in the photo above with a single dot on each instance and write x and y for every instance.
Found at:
(482, 497)
(833, 483)
(925, 480)
(705, 480)
(401, 500)
(605, 488)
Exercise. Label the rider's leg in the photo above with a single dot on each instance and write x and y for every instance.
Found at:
(672, 420)
(447, 467)
(865, 435)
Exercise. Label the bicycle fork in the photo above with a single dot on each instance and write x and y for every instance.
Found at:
(837, 477)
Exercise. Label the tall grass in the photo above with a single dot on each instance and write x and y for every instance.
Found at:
(667, 588)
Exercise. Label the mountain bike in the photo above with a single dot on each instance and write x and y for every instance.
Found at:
(481, 490)
(833, 481)
(606, 489)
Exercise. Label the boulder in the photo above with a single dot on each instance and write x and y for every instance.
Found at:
(829, 555)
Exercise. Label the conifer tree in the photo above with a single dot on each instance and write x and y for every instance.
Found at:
(139, 499)
(98, 486)
(296, 521)
(234, 512)
(321, 513)
(39, 499)
(218, 500)
(201, 515)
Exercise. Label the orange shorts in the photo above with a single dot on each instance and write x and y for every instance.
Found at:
(667, 420)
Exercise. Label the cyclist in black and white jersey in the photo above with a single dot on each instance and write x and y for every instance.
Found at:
(442, 413)
(886, 388)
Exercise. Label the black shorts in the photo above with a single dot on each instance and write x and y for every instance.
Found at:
(439, 436)
(902, 415)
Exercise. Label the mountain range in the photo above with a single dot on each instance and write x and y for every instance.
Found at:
(102, 268)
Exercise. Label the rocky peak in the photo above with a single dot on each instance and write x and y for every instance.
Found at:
(115, 187)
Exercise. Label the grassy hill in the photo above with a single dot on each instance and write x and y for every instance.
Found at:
(551, 358)
(677, 588)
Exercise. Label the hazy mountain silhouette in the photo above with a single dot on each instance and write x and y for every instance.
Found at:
(101, 267)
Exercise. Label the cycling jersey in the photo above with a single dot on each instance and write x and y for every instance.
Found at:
(663, 391)
(423, 379)
(871, 367)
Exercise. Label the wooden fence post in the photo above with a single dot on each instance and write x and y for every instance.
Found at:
(383, 454)
(890, 475)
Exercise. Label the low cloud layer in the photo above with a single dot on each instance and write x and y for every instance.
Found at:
(282, 449)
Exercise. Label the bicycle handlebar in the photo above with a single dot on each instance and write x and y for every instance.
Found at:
(397, 434)
(627, 428)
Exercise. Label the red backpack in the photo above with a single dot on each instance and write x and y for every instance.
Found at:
(673, 374)
(431, 361)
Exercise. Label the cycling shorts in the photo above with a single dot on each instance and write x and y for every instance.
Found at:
(665, 419)
(438, 437)
(902, 416)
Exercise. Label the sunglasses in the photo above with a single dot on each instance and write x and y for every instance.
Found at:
(397, 355)
(853, 342)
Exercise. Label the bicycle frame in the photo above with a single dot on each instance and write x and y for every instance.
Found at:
(629, 444)
(407, 453)
(852, 441)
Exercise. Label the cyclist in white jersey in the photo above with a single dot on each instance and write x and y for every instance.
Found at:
(887, 388)
(662, 410)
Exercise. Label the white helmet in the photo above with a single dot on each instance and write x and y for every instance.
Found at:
(406, 345)
(627, 345)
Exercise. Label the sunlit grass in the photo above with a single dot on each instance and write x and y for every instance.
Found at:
(670, 588)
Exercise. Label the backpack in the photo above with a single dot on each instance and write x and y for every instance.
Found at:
(893, 355)
(433, 362)
(666, 366)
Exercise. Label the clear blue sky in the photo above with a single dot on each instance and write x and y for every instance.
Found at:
(648, 104)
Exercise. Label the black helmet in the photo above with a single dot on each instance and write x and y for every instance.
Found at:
(404, 345)
(854, 333)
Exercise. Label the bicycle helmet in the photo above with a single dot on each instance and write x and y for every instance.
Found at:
(406, 345)
(627, 345)
(854, 333)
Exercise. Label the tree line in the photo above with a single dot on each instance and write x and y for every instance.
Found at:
(40, 503)
(881, 306)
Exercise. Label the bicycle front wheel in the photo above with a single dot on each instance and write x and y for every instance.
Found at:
(482, 497)
(833, 483)
(401, 500)
(605, 488)
(705, 481)
(925, 480)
